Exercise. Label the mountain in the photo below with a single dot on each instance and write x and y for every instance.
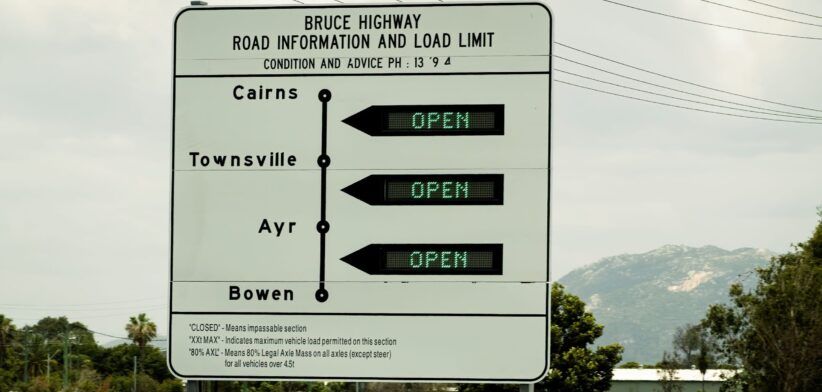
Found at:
(642, 298)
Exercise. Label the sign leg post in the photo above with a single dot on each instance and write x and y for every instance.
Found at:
(193, 386)
(522, 388)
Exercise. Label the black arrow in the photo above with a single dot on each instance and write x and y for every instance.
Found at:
(430, 120)
(429, 189)
(428, 259)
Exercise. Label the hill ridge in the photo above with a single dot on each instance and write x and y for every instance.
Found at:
(641, 298)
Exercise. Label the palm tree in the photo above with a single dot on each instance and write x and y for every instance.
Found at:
(38, 351)
(141, 330)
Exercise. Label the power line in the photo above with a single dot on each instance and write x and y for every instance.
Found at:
(36, 345)
(712, 24)
(82, 344)
(682, 91)
(105, 334)
(82, 318)
(679, 98)
(99, 316)
(91, 303)
(784, 9)
(120, 337)
(75, 310)
(30, 345)
(760, 14)
(692, 83)
(681, 107)
(90, 312)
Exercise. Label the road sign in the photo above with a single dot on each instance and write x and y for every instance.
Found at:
(361, 192)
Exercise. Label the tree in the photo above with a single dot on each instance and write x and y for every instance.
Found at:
(336, 386)
(36, 350)
(667, 369)
(54, 329)
(7, 332)
(630, 365)
(693, 348)
(9, 363)
(48, 337)
(686, 344)
(774, 332)
(574, 367)
(401, 387)
(87, 381)
(125, 383)
(171, 385)
(119, 361)
(141, 330)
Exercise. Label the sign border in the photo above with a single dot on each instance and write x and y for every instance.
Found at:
(548, 283)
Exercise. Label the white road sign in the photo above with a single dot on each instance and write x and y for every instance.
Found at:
(361, 192)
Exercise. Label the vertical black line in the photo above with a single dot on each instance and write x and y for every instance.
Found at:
(322, 193)
(322, 260)
(325, 127)
(323, 161)
(324, 154)
(323, 181)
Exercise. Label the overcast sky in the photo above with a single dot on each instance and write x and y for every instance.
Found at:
(85, 104)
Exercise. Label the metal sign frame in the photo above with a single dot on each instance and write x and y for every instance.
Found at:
(333, 377)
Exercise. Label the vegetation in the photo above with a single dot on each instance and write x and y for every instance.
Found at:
(32, 359)
(774, 331)
(141, 330)
(666, 370)
(574, 366)
(630, 365)
(693, 348)
(58, 355)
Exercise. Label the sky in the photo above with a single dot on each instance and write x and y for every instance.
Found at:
(85, 144)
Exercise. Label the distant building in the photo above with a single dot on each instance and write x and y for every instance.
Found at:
(648, 380)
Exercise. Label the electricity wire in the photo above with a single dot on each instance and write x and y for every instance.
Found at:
(680, 106)
(760, 14)
(80, 344)
(91, 303)
(120, 337)
(679, 98)
(712, 24)
(105, 334)
(103, 316)
(784, 9)
(76, 310)
(682, 91)
(691, 83)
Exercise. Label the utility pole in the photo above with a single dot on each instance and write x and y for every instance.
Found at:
(134, 387)
(65, 359)
(26, 358)
(48, 363)
(49, 358)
